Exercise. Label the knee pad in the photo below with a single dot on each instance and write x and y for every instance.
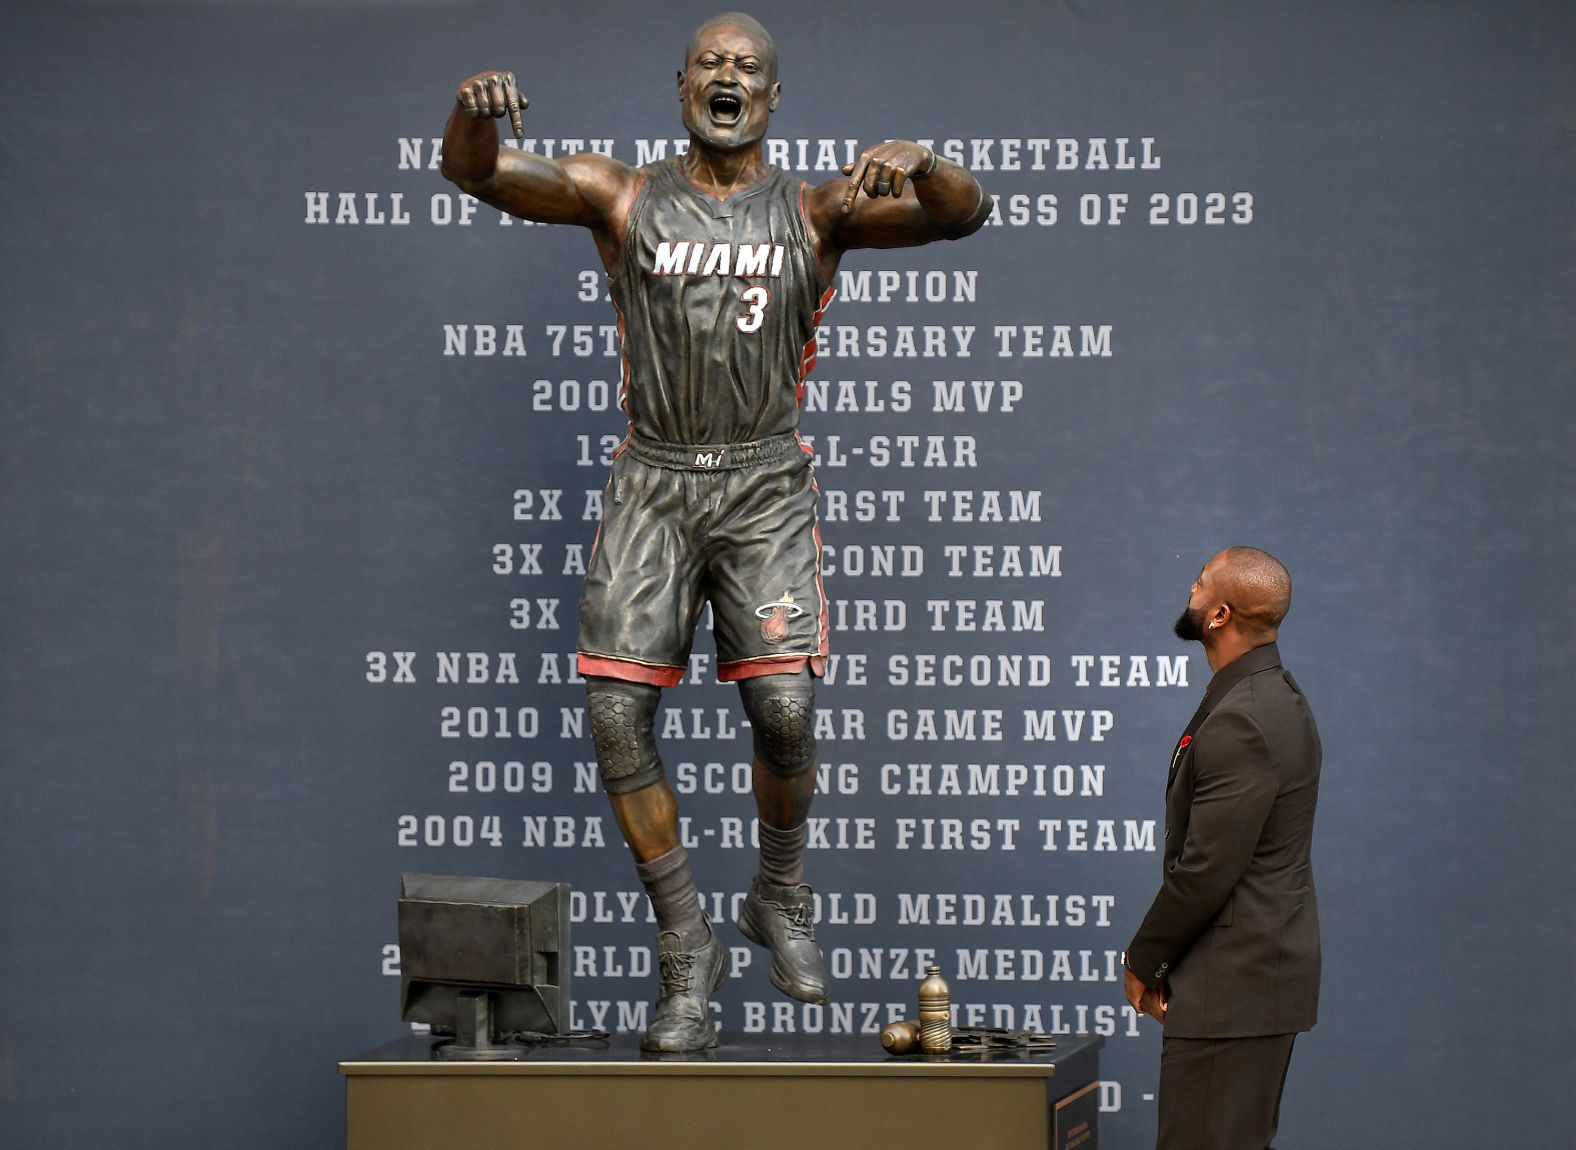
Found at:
(781, 710)
(621, 717)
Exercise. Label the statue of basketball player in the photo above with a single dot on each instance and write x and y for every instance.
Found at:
(720, 266)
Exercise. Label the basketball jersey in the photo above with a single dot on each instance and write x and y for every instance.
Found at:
(718, 302)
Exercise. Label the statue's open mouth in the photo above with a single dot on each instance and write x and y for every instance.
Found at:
(725, 109)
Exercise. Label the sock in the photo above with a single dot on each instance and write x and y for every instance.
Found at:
(782, 854)
(668, 881)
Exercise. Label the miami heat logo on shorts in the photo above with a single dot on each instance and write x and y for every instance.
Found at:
(774, 617)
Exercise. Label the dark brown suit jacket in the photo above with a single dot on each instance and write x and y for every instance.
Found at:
(1234, 931)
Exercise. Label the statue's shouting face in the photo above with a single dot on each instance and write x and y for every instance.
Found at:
(729, 85)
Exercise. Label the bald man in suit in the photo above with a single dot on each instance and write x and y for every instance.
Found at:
(1227, 958)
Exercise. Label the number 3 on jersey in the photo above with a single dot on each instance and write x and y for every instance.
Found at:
(755, 299)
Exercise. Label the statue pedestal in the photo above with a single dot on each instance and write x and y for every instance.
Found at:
(798, 1092)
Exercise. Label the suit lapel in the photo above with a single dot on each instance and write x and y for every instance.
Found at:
(1258, 659)
(1182, 743)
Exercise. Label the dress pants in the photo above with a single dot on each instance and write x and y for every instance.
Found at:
(1221, 1093)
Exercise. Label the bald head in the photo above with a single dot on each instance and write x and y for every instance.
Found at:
(745, 23)
(1235, 604)
(1256, 585)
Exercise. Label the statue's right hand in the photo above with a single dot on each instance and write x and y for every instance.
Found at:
(493, 94)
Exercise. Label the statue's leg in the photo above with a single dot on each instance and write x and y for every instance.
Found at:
(779, 911)
(692, 958)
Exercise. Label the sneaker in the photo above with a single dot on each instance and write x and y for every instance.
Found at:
(682, 1018)
(782, 918)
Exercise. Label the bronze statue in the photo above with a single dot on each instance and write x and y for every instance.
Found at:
(720, 266)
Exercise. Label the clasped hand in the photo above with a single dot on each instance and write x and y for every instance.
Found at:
(1145, 1000)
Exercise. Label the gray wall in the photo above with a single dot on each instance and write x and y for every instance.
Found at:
(237, 460)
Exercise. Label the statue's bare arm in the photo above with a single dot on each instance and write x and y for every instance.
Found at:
(587, 189)
(898, 194)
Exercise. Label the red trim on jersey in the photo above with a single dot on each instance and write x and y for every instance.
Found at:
(655, 674)
(623, 247)
(804, 216)
(807, 356)
(624, 373)
(820, 588)
(765, 665)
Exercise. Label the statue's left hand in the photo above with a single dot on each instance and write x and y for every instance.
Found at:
(883, 169)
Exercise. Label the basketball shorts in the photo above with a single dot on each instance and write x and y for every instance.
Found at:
(731, 525)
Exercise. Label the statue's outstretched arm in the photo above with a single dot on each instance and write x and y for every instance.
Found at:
(586, 188)
(898, 194)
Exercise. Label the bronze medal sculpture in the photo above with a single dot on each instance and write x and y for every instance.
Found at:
(720, 266)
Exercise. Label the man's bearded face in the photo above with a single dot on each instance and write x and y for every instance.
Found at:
(1189, 626)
